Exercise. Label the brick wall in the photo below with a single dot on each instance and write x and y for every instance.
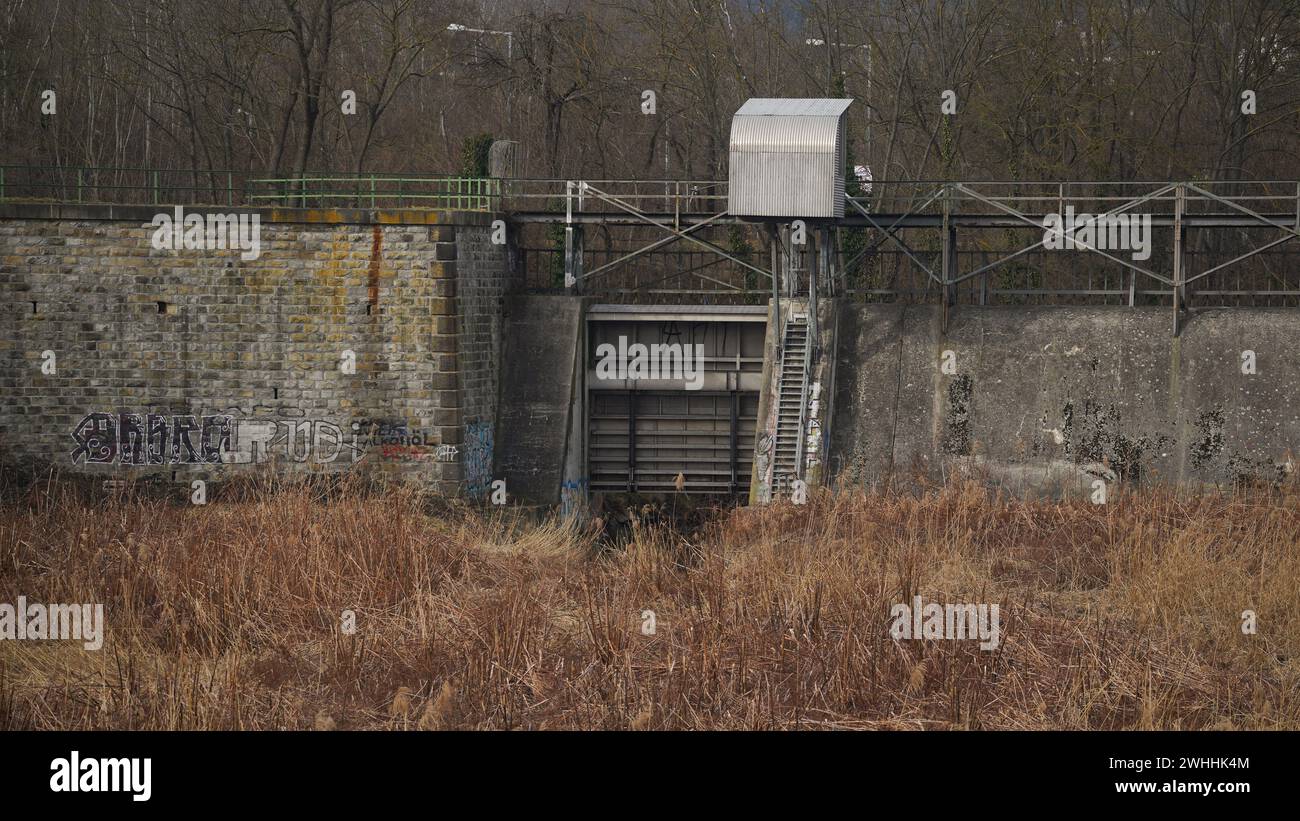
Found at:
(484, 278)
(200, 362)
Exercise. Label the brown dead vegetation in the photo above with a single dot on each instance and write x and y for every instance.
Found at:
(228, 616)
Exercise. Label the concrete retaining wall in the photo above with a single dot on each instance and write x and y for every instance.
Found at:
(541, 397)
(1050, 399)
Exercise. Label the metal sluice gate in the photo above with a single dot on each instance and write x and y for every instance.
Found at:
(643, 433)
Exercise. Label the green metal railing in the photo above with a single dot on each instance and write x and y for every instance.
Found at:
(124, 185)
(155, 186)
(376, 190)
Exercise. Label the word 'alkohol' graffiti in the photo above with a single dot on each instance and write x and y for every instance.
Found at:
(161, 439)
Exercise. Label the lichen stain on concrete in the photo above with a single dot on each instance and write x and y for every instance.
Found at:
(1247, 471)
(1210, 443)
(957, 439)
(1092, 436)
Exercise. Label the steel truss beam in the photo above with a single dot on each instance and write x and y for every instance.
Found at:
(905, 220)
(889, 232)
(645, 218)
(1291, 232)
(998, 214)
(1038, 223)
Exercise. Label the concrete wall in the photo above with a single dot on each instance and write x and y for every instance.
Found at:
(540, 395)
(1050, 399)
(201, 362)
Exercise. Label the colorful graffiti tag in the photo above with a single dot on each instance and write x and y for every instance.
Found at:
(573, 496)
(396, 440)
(478, 457)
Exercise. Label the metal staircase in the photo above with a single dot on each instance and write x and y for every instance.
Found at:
(792, 407)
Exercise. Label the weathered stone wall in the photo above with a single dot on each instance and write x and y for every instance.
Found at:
(484, 279)
(201, 362)
(1053, 399)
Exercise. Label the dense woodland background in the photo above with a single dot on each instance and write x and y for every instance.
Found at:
(1046, 89)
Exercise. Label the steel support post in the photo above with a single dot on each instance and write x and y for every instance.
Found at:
(733, 440)
(946, 266)
(774, 234)
(573, 257)
(631, 441)
(826, 259)
(813, 276)
(1179, 195)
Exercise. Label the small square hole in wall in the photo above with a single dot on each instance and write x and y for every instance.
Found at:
(164, 307)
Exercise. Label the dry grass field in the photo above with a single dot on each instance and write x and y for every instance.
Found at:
(228, 616)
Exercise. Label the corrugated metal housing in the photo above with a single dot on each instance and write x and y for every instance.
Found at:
(787, 158)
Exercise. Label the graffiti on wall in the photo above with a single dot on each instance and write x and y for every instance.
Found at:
(151, 439)
(478, 457)
(762, 461)
(573, 496)
(317, 441)
(380, 432)
(183, 439)
(397, 440)
(813, 436)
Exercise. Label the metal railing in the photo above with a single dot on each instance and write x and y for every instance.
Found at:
(1091, 196)
(917, 197)
(661, 197)
(377, 190)
(971, 243)
(120, 185)
(167, 187)
(1100, 219)
(110, 184)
